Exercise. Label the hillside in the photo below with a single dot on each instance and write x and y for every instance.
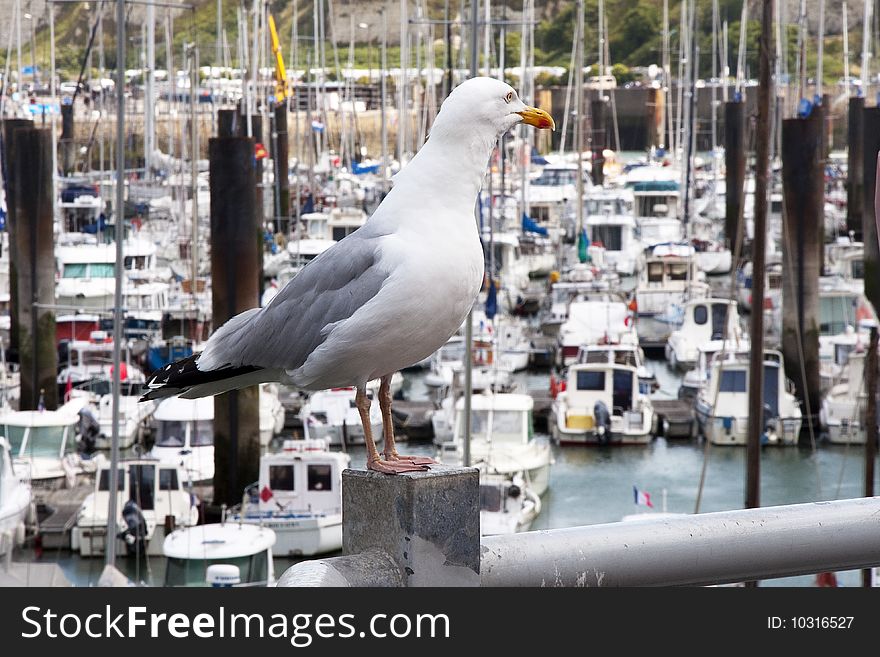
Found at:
(634, 30)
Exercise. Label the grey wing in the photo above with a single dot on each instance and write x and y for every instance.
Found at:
(328, 289)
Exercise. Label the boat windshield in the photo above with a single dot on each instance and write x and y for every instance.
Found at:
(89, 270)
(48, 441)
(836, 313)
(14, 436)
(172, 433)
(203, 435)
(507, 426)
(192, 572)
(551, 177)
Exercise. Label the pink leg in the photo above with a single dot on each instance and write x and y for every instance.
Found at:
(374, 462)
(388, 427)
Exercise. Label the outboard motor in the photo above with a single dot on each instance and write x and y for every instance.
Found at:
(135, 535)
(603, 422)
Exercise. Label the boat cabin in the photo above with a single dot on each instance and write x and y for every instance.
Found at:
(616, 386)
(184, 432)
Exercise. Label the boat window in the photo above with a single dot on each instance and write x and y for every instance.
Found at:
(733, 381)
(841, 353)
(101, 270)
(677, 271)
(836, 313)
(719, 320)
(192, 572)
(609, 236)
(320, 477)
(774, 282)
(45, 441)
(14, 436)
(625, 358)
(479, 423)
(857, 268)
(104, 481)
(701, 315)
(594, 356)
(591, 380)
(168, 479)
(281, 477)
(622, 392)
(142, 482)
(507, 423)
(75, 270)
(338, 232)
(771, 390)
(655, 272)
(259, 569)
(172, 433)
(203, 436)
(490, 498)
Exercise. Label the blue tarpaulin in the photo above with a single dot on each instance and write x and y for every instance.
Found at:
(358, 168)
(491, 300)
(537, 158)
(529, 225)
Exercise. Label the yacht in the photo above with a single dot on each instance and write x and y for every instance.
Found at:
(299, 497)
(602, 404)
(161, 494)
(843, 405)
(669, 278)
(704, 320)
(594, 322)
(722, 405)
(15, 499)
(610, 222)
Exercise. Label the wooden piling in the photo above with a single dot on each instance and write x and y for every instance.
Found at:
(871, 145)
(280, 155)
(32, 238)
(235, 264)
(9, 157)
(66, 140)
(735, 170)
(855, 182)
(599, 139)
(804, 190)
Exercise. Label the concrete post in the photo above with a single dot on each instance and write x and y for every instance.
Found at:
(235, 263)
(735, 170)
(32, 238)
(803, 187)
(427, 522)
(871, 145)
(855, 182)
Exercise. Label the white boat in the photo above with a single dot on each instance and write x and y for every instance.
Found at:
(185, 436)
(299, 497)
(843, 405)
(722, 405)
(704, 320)
(610, 222)
(161, 494)
(134, 415)
(669, 278)
(191, 551)
(623, 354)
(602, 404)
(47, 442)
(15, 499)
(660, 230)
(580, 283)
(508, 504)
(332, 415)
(93, 359)
(594, 322)
(502, 439)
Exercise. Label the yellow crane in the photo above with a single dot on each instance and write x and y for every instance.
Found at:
(282, 90)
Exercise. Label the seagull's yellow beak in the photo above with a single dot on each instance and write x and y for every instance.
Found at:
(538, 118)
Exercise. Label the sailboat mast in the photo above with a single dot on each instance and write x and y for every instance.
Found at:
(821, 54)
(383, 91)
(866, 45)
(149, 102)
(579, 116)
(110, 550)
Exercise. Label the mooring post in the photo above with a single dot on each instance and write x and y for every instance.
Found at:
(597, 117)
(735, 170)
(9, 158)
(280, 150)
(32, 238)
(855, 182)
(66, 139)
(235, 265)
(803, 187)
(871, 145)
(413, 529)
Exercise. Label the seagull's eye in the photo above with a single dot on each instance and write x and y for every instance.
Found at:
(508, 97)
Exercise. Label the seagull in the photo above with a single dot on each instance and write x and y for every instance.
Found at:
(388, 295)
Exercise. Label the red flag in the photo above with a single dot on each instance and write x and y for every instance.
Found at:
(260, 151)
(68, 388)
(266, 494)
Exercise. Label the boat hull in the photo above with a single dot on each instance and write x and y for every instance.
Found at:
(301, 536)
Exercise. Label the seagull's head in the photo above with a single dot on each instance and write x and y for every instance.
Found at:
(489, 106)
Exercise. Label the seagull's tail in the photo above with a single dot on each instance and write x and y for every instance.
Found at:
(184, 378)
